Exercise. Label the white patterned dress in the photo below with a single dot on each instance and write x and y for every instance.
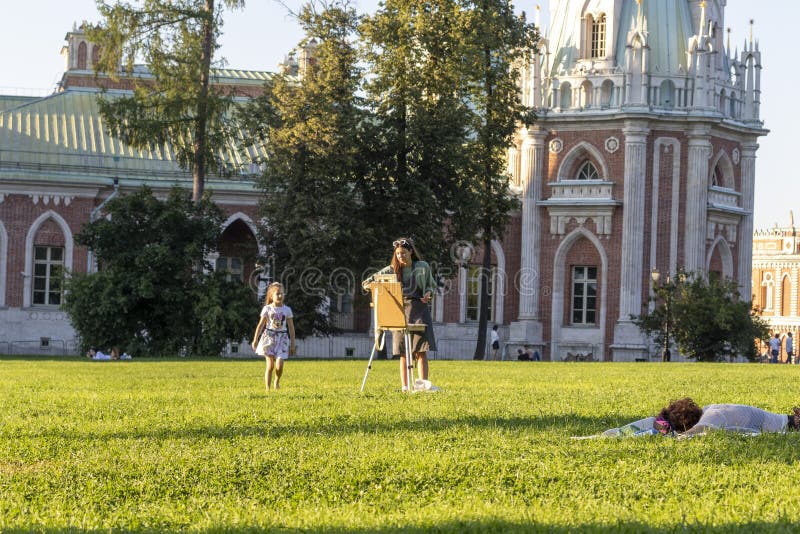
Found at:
(274, 339)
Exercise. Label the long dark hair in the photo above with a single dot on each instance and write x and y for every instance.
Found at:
(408, 244)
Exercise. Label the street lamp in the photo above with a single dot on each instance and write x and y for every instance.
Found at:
(656, 275)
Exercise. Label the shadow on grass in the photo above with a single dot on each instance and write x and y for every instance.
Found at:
(485, 526)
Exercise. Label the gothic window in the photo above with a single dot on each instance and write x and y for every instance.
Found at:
(473, 292)
(232, 267)
(606, 93)
(786, 297)
(82, 56)
(95, 54)
(599, 37)
(584, 295)
(767, 286)
(48, 274)
(588, 172)
(717, 179)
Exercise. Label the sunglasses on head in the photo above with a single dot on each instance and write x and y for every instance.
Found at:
(405, 243)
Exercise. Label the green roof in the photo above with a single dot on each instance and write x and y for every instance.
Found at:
(65, 133)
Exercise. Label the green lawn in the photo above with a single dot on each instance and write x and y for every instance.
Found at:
(198, 446)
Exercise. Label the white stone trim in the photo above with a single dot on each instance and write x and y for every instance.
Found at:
(558, 296)
(576, 152)
(500, 282)
(725, 254)
(68, 245)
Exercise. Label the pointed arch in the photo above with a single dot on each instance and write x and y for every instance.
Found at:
(721, 172)
(500, 287)
(721, 246)
(559, 275)
(3, 263)
(767, 287)
(29, 238)
(82, 55)
(786, 295)
(575, 158)
(239, 216)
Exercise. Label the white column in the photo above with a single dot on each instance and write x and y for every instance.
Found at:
(528, 327)
(745, 232)
(697, 200)
(533, 151)
(631, 260)
(628, 342)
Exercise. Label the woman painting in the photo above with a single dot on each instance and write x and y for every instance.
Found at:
(416, 278)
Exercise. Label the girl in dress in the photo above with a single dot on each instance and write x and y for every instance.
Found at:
(274, 336)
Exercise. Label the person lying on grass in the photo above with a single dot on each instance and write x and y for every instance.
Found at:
(684, 418)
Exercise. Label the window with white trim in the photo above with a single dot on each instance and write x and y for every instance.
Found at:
(588, 172)
(232, 267)
(599, 37)
(48, 275)
(584, 295)
(474, 289)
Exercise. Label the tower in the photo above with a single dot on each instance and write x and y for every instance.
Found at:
(643, 157)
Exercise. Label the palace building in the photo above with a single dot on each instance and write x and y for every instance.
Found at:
(642, 157)
(776, 277)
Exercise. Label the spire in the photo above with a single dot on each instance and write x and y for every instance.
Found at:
(751, 32)
(703, 25)
(729, 42)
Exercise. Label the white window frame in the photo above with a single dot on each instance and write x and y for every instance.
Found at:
(581, 279)
(224, 265)
(472, 304)
(50, 279)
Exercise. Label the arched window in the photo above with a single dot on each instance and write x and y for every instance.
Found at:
(95, 54)
(588, 171)
(82, 55)
(599, 37)
(566, 96)
(786, 297)
(767, 286)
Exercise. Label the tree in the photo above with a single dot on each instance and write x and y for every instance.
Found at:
(154, 293)
(417, 96)
(706, 317)
(310, 128)
(499, 44)
(175, 106)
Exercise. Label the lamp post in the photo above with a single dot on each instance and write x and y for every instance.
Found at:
(656, 275)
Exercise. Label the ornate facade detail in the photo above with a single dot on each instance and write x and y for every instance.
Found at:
(735, 156)
(55, 198)
(612, 145)
(556, 146)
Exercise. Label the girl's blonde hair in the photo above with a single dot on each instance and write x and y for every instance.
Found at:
(271, 290)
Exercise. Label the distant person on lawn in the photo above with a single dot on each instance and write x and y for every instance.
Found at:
(274, 336)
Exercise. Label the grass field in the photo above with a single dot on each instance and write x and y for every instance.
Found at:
(198, 446)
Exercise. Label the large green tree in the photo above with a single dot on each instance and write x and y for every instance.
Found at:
(311, 128)
(174, 106)
(417, 95)
(706, 318)
(498, 44)
(154, 293)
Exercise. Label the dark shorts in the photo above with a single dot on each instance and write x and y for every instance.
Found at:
(496, 345)
(417, 312)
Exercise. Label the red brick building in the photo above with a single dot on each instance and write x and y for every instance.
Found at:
(643, 157)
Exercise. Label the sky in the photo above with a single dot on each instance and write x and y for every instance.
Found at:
(260, 35)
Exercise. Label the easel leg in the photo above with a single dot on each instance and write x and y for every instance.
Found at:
(371, 356)
(409, 360)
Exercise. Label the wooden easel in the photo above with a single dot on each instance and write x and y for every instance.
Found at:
(389, 314)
